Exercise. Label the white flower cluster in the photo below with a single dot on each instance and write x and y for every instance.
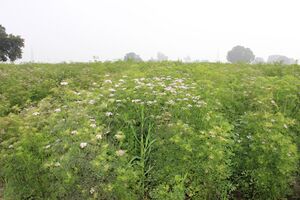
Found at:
(108, 81)
(57, 110)
(108, 114)
(83, 145)
(64, 83)
(120, 152)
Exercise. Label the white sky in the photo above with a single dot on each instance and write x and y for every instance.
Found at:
(77, 30)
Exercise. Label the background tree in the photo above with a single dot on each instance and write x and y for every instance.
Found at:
(281, 59)
(187, 59)
(240, 54)
(132, 56)
(10, 46)
(161, 57)
(258, 60)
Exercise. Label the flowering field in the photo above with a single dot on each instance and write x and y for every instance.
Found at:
(149, 130)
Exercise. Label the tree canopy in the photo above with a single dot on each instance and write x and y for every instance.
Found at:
(281, 59)
(10, 46)
(132, 56)
(161, 57)
(240, 54)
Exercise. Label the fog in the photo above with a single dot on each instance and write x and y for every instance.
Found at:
(77, 30)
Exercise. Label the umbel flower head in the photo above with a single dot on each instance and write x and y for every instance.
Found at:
(120, 136)
(120, 152)
(99, 136)
(64, 83)
(108, 114)
(83, 145)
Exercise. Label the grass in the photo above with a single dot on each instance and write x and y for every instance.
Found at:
(149, 130)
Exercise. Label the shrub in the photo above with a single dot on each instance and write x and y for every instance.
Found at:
(266, 157)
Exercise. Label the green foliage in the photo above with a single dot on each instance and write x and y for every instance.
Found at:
(165, 130)
(10, 46)
(266, 156)
(202, 157)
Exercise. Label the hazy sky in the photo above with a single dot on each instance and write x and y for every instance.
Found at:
(77, 30)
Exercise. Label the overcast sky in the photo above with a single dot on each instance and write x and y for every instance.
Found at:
(77, 30)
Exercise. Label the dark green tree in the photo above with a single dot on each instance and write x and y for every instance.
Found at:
(10, 46)
(132, 57)
(240, 54)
